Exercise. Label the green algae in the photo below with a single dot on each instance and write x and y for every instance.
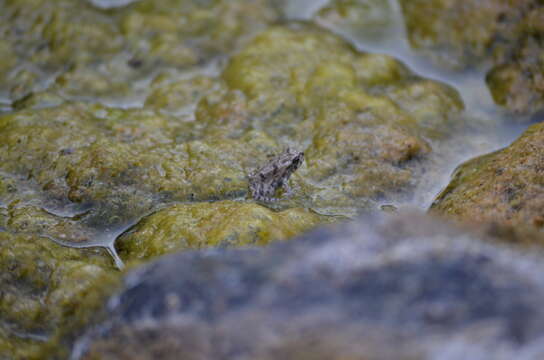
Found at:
(470, 29)
(179, 97)
(47, 291)
(221, 223)
(363, 118)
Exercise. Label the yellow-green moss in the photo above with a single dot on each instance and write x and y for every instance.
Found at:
(222, 223)
(506, 186)
(48, 292)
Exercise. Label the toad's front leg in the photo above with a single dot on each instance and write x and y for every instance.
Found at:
(288, 192)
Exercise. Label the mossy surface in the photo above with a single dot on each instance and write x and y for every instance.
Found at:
(81, 51)
(47, 292)
(506, 186)
(222, 223)
(364, 119)
(365, 122)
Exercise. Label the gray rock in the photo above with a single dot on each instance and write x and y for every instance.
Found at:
(407, 287)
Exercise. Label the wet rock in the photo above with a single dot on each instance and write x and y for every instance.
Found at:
(117, 162)
(179, 97)
(365, 120)
(151, 115)
(38, 100)
(47, 292)
(506, 186)
(80, 50)
(346, 292)
(366, 123)
(47, 37)
(189, 32)
(222, 223)
(506, 36)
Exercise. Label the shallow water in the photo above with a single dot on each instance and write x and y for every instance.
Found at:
(479, 105)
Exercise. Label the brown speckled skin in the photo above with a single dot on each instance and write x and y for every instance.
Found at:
(264, 182)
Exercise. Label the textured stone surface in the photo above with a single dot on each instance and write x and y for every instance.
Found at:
(144, 118)
(348, 292)
(364, 119)
(47, 292)
(102, 133)
(506, 186)
(365, 20)
(222, 223)
(84, 52)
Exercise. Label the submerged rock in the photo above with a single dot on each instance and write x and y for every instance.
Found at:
(504, 35)
(405, 288)
(506, 186)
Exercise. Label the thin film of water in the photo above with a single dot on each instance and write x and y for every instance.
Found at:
(392, 40)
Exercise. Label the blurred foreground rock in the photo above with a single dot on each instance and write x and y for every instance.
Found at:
(404, 288)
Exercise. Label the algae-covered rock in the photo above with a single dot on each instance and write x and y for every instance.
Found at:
(75, 172)
(47, 293)
(365, 120)
(408, 288)
(118, 162)
(455, 33)
(503, 35)
(38, 221)
(48, 36)
(222, 223)
(67, 151)
(84, 52)
(506, 186)
(186, 33)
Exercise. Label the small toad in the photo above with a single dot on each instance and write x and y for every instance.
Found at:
(265, 182)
